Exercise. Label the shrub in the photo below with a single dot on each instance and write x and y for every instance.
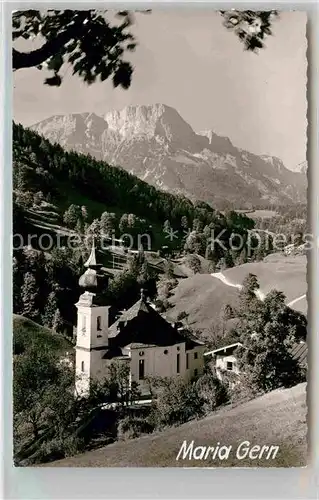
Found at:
(194, 263)
(162, 305)
(212, 392)
(182, 315)
(132, 427)
(73, 445)
(176, 403)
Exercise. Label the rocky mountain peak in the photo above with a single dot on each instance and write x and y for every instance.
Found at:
(302, 167)
(157, 145)
(150, 121)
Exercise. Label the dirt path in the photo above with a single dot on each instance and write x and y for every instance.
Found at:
(221, 277)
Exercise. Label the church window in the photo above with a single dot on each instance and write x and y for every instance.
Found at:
(195, 372)
(141, 353)
(178, 363)
(187, 361)
(82, 366)
(98, 323)
(195, 355)
(178, 348)
(166, 351)
(141, 369)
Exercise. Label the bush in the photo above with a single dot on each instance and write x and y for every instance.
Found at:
(48, 451)
(177, 402)
(132, 427)
(73, 445)
(193, 263)
(242, 388)
(162, 305)
(182, 315)
(212, 392)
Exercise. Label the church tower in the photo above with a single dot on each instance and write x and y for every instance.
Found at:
(92, 326)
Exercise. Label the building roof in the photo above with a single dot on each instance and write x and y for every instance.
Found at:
(224, 349)
(142, 326)
(93, 279)
(300, 352)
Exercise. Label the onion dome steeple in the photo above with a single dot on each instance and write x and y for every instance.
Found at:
(93, 280)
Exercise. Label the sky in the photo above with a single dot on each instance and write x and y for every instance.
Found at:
(188, 60)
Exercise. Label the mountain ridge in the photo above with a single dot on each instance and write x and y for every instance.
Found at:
(157, 145)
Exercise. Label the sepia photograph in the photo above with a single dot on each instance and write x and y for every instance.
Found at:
(160, 238)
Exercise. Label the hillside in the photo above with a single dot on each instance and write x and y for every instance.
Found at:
(156, 144)
(277, 271)
(27, 333)
(203, 296)
(64, 178)
(277, 418)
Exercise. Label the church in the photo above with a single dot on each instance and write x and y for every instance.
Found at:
(140, 337)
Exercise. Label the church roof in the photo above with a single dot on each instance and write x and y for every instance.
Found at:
(143, 326)
(91, 262)
(299, 352)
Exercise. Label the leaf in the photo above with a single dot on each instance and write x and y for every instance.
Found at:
(123, 75)
(54, 81)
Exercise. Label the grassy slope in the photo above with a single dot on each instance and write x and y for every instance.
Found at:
(27, 332)
(277, 418)
(285, 273)
(203, 296)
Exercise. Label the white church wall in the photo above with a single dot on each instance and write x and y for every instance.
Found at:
(162, 362)
(158, 362)
(90, 365)
(195, 362)
(92, 329)
(82, 371)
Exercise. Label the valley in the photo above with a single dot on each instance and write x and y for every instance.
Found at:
(67, 201)
(160, 238)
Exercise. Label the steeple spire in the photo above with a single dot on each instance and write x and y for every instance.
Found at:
(91, 263)
(93, 279)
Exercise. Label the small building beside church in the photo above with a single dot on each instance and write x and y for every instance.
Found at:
(140, 337)
(225, 359)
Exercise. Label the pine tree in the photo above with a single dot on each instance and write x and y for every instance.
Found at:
(167, 226)
(84, 212)
(72, 215)
(123, 224)
(93, 231)
(249, 303)
(184, 223)
(50, 310)
(107, 223)
(57, 323)
(29, 297)
(17, 281)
